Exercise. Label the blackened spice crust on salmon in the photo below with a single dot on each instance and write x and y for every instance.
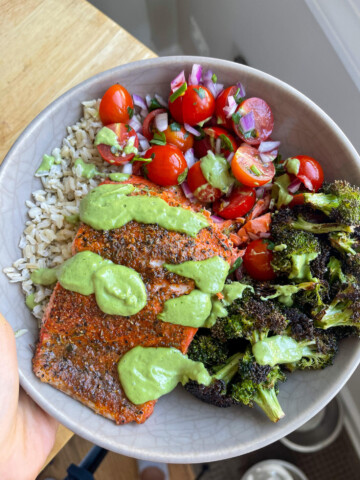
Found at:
(80, 346)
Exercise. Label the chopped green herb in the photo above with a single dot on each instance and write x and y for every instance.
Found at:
(180, 91)
(158, 139)
(195, 103)
(236, 265)
(250, 134)
(201, 92)
(130, 112)
(270, 245)
(255, 170)
(154, 104)
(186, 134)
(141, 159)
(225, 142)
(214, 78)
(128, 128)
(236, 118)
(175, 127)
(152, 156)
(237, 98)
(182, 176)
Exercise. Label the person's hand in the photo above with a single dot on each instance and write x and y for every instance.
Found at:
(27, 433)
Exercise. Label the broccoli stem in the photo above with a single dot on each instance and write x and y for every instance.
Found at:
(228, 371)
(302, 224)
(267, 400)
(338, 314)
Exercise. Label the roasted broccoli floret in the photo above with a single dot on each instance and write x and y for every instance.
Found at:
(252, 319)
(284, 293)
(335, 272)
(218, 393)
(208, 350)
(343, 311)
(301, 327)
(258, 384)
(313, 300)
(294, 250)
(352, 266)
(346, 244)
(339, 200)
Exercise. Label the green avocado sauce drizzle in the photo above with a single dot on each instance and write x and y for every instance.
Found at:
(215, 169)
(108, 206)
(279, 349)
(45, 165)
(147, 373)
(118, 290)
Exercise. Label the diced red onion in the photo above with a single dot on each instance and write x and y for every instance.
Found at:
(161, 121)
(139, 102)
(144, 144)
(294, 186)
(136, 124)
(127, 168)
(144, 113)
(190, 158)
(230, 157)
(239, 273)
(191, 130)
(148, 99)
(268, 157)
(252, 236)
(219, 87)
(217, 219)
(242, 92)
(267, 187)
(260, 192)
(218, 145)
(265, 235)
(248, 122)
(187, 192)
(178, 81)
(265, 147)
(230, 108)
(207, 75)
(195, 75)
(160, 99)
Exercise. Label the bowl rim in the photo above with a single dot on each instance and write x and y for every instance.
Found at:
(218, 454)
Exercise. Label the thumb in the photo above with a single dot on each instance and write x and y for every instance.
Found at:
(9, 377)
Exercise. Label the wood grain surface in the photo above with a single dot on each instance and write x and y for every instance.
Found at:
(47, 47)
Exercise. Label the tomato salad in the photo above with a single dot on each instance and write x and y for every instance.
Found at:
(217, 144)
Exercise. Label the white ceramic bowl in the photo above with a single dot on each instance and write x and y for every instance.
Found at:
(182, 429)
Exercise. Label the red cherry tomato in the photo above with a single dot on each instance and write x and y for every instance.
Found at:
(167, 167)
(257, 260)
(298, 199)
(196, 105)
(116, 105)
(176, 135)
(148, 123)
(124, 132)
(310, 173)
(221, 102)
(239, 203)
(264, 121)
(228, 143)
(199, 186)
(248, 167)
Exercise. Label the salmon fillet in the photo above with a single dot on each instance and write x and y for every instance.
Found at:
(79, 345)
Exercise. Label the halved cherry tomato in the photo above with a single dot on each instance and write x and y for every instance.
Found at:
(194, 106)
(116, 105)
(167, 167)
(199, 186)
(124, 132)
(176, 135)
(148, 123)
(248, 167)
(264, 121)
(221, 102)
(310, 173)
(239, 203)
(257, 260)
(228, 143)
(297, 199)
